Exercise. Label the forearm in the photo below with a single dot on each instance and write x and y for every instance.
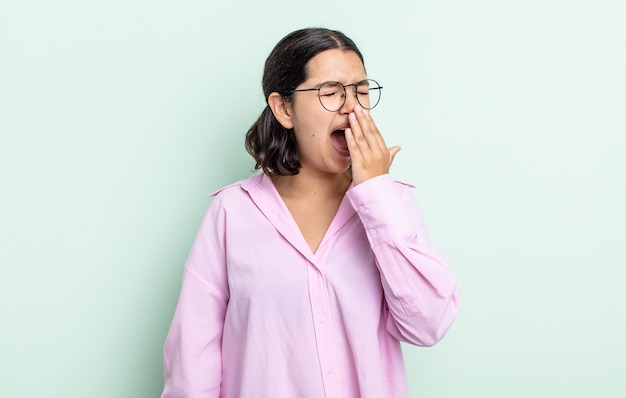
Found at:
(420, 289)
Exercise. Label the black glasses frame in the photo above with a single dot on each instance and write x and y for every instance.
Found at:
(377, 86)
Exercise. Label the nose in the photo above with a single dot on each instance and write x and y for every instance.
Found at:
(351, 100)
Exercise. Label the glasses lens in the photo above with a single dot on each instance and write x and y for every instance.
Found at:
(368, 93)
(332, 96)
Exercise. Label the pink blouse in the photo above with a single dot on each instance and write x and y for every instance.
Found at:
(260, 315)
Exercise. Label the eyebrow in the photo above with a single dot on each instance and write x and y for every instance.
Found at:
(337, 81)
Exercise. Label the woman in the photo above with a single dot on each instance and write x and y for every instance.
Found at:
(303, 279)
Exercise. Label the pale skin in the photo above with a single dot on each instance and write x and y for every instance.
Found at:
(314, 194)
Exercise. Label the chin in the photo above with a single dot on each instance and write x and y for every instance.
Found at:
(347, 166)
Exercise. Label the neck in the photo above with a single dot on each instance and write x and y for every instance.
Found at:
(313, 187)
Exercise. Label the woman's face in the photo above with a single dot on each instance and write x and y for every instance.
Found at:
(321, 147)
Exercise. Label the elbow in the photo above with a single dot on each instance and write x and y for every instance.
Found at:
(433, 335)
(425, 334)
(428, 327)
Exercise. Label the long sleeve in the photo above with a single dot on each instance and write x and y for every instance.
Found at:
(192, 351)
(420, 290)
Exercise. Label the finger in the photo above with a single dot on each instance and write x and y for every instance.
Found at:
(357, 132)
(369, 129)
(353, 148)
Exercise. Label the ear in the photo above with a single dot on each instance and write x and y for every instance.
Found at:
(281, 110)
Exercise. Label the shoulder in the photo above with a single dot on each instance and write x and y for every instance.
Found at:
(383, 183)
(403, 184)
(238, 187)
(243, 199)
(240, 194)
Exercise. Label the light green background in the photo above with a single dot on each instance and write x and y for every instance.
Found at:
(117, 118)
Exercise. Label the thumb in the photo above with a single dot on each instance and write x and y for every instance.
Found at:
(392, 153)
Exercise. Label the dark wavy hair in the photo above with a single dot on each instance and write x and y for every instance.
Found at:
(272, 146)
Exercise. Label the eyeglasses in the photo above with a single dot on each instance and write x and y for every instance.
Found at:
(332, 95)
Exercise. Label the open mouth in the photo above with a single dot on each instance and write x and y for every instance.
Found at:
(338, 139)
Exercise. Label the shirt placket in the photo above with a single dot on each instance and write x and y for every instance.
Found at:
(320, 309)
